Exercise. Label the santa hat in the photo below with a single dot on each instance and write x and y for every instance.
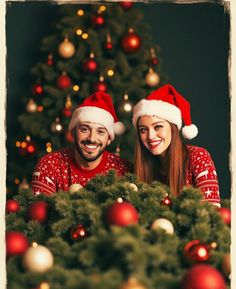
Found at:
(170, 105)
(98, 108)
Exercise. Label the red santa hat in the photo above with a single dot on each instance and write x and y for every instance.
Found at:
(98, 108)
(168, 104)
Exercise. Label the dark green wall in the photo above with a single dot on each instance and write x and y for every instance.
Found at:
(194, 41)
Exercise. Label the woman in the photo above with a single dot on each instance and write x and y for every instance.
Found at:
(160, 153)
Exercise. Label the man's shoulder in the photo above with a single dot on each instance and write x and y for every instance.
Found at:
(114, 158)
(58, 154)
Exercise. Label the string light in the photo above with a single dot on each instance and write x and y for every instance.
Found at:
(120, 200)
(23, 144)
(117, 150)
(48, 147)
(34, 244)
(18, 144)
(28, 138)
(16, 181)
(213, 245)
(110, 72)
(126, 97)
(127, 107)
(79, 31)
(80, 12)
(40, 108)
(76, 87)
(85, 36)
(102, 9)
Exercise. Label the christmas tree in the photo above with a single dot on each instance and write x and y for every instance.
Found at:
(117, 233)
(94, 48)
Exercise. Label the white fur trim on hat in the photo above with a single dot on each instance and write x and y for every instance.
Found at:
(189, 131)
(93, 114)
(157, 108)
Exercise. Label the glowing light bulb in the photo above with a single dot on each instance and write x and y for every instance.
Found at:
(80, 12)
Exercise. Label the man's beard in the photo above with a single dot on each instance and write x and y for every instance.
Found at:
(85, 157)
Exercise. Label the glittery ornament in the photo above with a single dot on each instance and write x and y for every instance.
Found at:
(131, 42)
(78, 232)
(37, 258)
(66, 49)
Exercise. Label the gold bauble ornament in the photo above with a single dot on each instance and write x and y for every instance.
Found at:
(132, 283)
(56, 127)
(66, 49)
(31, 106)
(164, 224)
(38, 258)
(75, 188)
(24, 185)
(152, 78)
(133, 187)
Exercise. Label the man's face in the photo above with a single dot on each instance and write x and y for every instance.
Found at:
(91, 140)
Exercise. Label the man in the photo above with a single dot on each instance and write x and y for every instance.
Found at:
(93, 125)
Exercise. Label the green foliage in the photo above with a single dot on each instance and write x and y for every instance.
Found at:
(109, 255)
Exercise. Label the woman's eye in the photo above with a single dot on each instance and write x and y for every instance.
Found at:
(157, 127)
(142, 130)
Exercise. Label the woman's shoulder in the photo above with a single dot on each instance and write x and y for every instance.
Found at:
(196, 150)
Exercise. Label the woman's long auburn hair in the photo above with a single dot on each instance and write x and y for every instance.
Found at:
(146, 164)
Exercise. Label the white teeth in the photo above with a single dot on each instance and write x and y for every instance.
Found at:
(91, 146)
(155, 142)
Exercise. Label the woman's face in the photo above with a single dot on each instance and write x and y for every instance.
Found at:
(155, 134)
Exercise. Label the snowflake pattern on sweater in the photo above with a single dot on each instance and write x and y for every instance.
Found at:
(201, 173)
(58, 170)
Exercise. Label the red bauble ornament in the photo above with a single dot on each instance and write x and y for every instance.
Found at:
(16, 243)
(155, 61)
(90, 65)
(12, 206)
(50, 60)
(108, 45)
(38, 211)
(166, 202)
(122, 214)
(127, 4)
(225, 215)
(63, 81)
(203, 276)
(78, 232)
(100, 86)
(195, 251)
(67, 112)
(37, 89)
(97, 20)
(131, 42)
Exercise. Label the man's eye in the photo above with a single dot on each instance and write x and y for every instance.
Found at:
(83, 129)
(101, 131)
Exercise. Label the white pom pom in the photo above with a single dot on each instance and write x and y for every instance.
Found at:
(119, 128)
(189, 131)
